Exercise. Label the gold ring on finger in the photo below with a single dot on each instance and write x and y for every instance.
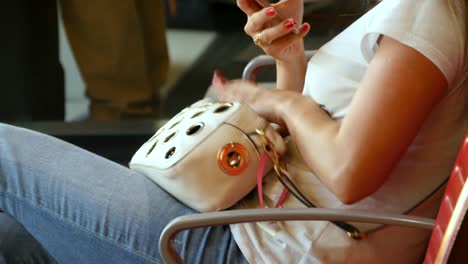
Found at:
(258, 40)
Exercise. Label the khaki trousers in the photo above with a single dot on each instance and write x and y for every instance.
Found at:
(121, 50)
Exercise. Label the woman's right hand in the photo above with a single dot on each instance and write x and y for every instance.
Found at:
(277, 38)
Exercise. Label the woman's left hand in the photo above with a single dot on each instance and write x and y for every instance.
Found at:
(265, 102)
(272, 26)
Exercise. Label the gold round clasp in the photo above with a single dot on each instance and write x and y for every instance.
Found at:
(232, 159)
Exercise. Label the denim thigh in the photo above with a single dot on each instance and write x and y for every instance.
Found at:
(83, 208)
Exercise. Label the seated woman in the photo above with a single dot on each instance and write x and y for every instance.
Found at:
(375, 120)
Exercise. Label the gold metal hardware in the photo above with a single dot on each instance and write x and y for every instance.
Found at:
(356, 235)
(233, 159)
(271, 151)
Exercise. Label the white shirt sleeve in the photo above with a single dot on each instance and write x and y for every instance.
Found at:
(434, 28)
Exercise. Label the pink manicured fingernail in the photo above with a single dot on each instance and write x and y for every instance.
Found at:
(218, 80)
(271, 12)
(290, 23)
(305, 27)
(219, 76)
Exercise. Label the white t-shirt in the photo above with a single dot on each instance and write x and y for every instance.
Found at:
(435, 28)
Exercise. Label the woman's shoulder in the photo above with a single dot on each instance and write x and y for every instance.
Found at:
(434, 28)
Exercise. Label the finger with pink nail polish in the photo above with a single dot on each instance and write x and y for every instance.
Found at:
(218, 83)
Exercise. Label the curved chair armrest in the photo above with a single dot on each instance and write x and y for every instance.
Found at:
(262, 61)
(169, 254)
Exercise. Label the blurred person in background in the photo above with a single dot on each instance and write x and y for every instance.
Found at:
(121, 51)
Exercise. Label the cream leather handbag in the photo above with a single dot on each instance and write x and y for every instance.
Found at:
(207, 156)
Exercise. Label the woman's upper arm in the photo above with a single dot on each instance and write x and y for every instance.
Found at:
(397, 93)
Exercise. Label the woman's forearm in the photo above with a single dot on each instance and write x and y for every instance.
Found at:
(315, 134)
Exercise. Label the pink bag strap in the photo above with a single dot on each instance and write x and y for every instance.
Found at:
(260, 172)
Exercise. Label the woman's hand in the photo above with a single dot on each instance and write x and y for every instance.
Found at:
(265, 102)
(276, 35)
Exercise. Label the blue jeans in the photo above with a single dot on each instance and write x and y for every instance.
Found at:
(83, 208)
